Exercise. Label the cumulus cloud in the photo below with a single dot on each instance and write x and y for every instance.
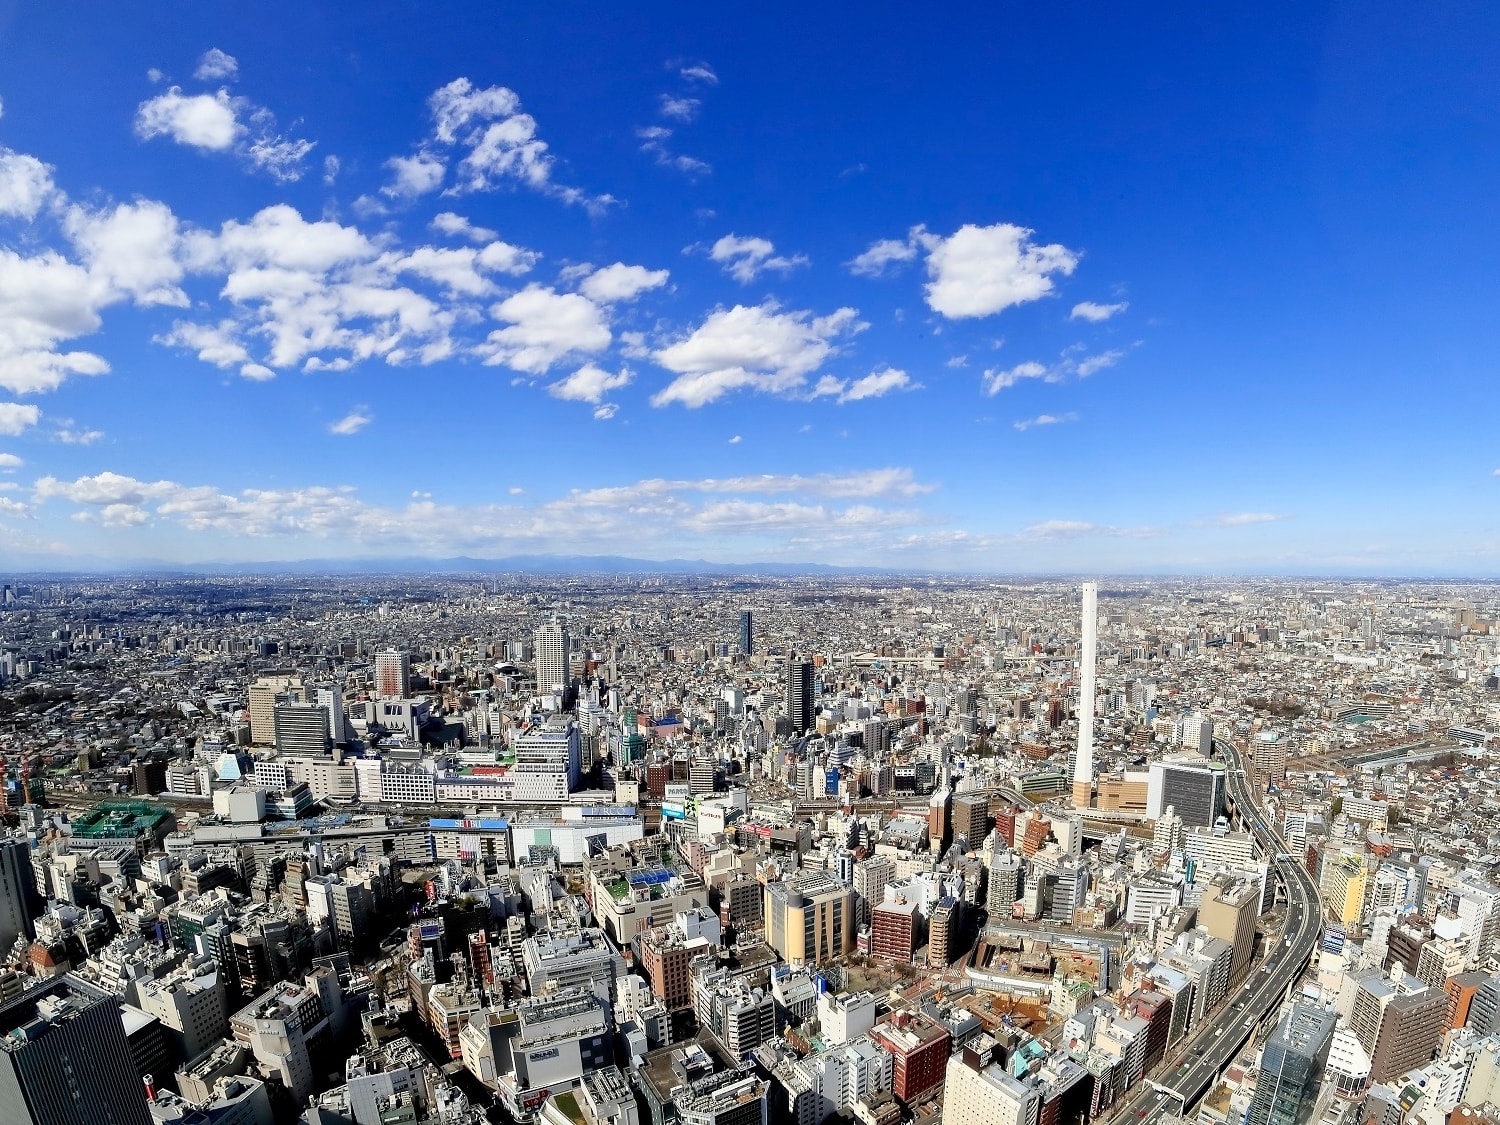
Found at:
(218, 122)
(750, 347)
(25, 185)
(1044, 420)
(497, 143)
(980, 271)
(1073, 363)
(543, 327)
(1095, 312)
(812, 507)
(620, 282)
(414, 175)
(745, 259)
(882, 255)
(203, 121)
(9, 461)
(217, 66)
(351, 423)
(590, 384)
(446, 222)
(874, 385)
(17, 417)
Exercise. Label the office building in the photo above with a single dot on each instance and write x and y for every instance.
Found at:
(747, 635)
(1083, 761)
(809, 918)
(971, 818)
(1192, 785)
(1399, 1022)
(392, 674)
(1228, 911)
(977, 1092)
(64, 1059)
(1291, 1067)
(799, 695)
(302, 729)
(18, 897)
(918, 1045)
(264, 694)
(550, 642)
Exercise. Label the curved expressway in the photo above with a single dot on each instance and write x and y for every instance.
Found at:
(1191, 1075)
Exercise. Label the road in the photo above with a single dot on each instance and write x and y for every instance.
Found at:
(1210, 1048)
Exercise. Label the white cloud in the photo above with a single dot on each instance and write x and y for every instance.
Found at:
(1093, 311)
(351, 423)
(544, 326)
(446, 222)
(1246, 519)
(1075, 529)
(882, 255)
(745, 259)
(735, 440)
(590, 383)
(620, 282)
(754, 347)
(25, 185)
(499, 142)
(331, 167)
(602, 517)
(654, 140)
(135, 248)
(1044, 420)
(45, 300)
(874, 385)
(70, 436)
(699, 72)
(605, 411)
(217, 66)
(980, 271)
(1072, 364)
(204, 121)
(17, 417)
(220, 123)
(679, 109)
(10, 461)
(415, 175)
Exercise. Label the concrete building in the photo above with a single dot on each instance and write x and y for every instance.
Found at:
(984, 1093)
(918, 1046)
(1229, 909)
(392, 674)
(809, 918)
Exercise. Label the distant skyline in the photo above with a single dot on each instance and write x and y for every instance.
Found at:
(1000, 290)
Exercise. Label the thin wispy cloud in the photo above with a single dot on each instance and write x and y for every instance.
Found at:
(351, 423)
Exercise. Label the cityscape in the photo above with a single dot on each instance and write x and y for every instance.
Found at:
(778, 564)
(734, 849)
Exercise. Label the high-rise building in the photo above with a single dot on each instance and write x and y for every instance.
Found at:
(799, 694)
(971, 818)
(809, 918)
(1291, 1067)
(64, 1059)
(919, 1049)
(1190, 784)
(301, 729)
(331, 699)
(1399, 1022)
(1228, 911)
(747, 634)
(392, 674)
(264, 694)
(17, 890)
(1083, 761)
(551, 644)
(985, 1093)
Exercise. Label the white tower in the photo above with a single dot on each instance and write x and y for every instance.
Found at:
(551, 644)
(1083, 763)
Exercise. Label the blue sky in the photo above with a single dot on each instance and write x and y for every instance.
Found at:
(1007, 289)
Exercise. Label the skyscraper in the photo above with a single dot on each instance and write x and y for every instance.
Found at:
(1083, 762)
(392, 674)
(799, 694)
(64, 1059)
(747, 636)
(17, 891)
(1291, 1067)
(551, 644)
